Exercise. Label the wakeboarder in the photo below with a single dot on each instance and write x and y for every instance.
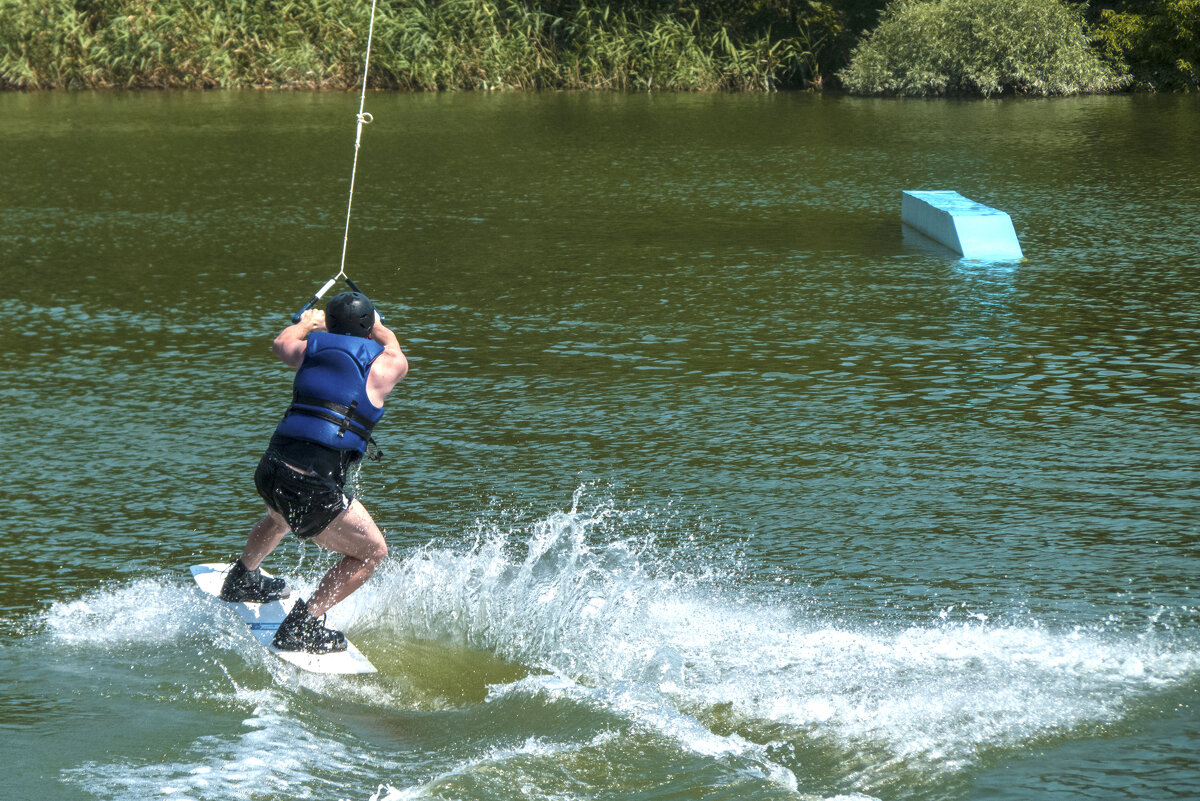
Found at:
(346, 362)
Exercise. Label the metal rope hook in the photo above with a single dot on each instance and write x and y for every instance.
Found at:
(363, 118)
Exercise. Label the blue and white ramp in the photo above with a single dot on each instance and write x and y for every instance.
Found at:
(972, 229)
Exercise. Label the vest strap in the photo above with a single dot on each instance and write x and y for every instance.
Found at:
(330, 417)
(346, 421)
(344, 417)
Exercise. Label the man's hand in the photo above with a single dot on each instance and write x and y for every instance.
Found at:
(315, 319)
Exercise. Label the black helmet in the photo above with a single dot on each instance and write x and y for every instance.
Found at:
(350, 313)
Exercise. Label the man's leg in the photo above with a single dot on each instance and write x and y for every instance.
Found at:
(264, 537)
(354, 535)
(243, 582)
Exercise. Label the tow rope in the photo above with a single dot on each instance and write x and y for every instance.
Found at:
(363, 119)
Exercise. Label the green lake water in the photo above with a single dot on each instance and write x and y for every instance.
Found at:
(708, 481)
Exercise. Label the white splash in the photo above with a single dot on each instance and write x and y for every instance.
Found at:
(570, 596)
(666, 644)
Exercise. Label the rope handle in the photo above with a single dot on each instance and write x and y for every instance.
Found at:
(321, 293)
(363, 118)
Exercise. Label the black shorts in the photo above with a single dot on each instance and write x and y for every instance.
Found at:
(308, 502)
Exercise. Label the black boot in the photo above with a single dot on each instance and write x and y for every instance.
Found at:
(300, 631)
(252, 586)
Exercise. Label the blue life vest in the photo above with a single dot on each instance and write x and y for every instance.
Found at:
(329, 396)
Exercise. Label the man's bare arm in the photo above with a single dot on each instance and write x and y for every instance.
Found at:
(390, 367)
(292, 341)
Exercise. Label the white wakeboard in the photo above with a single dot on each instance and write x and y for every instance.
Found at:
(264, 619)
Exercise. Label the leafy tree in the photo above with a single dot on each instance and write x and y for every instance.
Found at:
(1159, 42)
(935, 47)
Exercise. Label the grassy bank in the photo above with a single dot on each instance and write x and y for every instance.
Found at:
(319, 44)
(916, 47)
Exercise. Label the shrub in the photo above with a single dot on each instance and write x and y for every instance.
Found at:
(935, 47)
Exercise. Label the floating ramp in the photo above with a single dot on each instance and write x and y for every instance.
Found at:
(972, 229)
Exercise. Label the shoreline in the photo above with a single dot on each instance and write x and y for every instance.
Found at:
(786, 90)
(512, 46)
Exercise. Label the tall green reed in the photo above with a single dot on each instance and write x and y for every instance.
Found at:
(419, 45)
